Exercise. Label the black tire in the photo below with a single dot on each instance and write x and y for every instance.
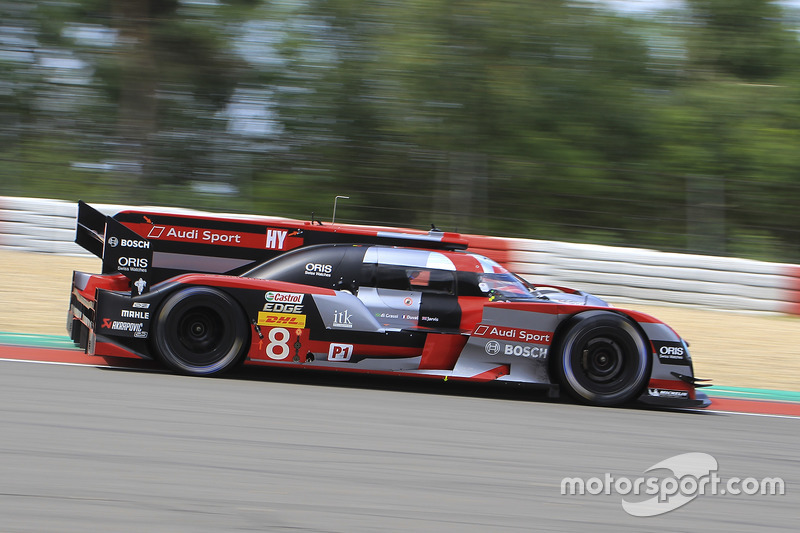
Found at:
(201, 331)
(602, 359)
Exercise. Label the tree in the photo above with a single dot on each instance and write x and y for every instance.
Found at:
(742, 38)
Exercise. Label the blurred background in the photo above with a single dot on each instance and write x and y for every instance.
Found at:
(666, 124)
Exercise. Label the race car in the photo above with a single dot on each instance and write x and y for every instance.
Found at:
(203, 294)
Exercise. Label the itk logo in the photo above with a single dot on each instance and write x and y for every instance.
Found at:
(341, 319)
(692, 475)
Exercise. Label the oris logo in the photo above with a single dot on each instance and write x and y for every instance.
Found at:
(671, 350)
(132, 262)
(318, 269)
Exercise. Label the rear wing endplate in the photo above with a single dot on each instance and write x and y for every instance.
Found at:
(121, 249)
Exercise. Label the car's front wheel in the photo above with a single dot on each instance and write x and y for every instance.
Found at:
(602, 359)
(200, 331)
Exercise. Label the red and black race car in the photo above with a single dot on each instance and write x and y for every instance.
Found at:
(203, 294)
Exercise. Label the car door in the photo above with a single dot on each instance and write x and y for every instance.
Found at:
(403, 296)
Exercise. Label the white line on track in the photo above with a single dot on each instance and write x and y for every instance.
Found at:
(754, 414)
(59, 363)
(767, 415)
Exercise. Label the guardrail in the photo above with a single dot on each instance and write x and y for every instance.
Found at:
(614, 273)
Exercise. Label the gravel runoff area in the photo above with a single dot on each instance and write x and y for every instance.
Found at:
(735, 349)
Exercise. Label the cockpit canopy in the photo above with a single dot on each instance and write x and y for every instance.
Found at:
(348, 267)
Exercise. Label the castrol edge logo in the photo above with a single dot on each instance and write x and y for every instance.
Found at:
(284, 297)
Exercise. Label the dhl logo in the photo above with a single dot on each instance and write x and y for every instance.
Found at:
(281, 319)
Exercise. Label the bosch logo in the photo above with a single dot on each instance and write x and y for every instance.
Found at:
(534, 352)
(493, 347)
(113, 242)
(131, 243)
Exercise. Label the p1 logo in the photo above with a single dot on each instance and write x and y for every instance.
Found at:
(340, 352)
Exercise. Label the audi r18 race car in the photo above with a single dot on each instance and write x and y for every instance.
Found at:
(202, 294)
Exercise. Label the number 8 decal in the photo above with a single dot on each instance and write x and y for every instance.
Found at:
(278, 347)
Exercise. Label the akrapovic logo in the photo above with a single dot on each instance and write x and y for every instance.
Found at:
(118, 325)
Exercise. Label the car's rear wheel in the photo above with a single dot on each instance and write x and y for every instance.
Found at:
(200, 331)
(602, 359)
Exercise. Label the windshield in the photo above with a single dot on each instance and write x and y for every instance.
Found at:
(505, 286)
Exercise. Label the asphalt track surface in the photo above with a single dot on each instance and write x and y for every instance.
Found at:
(100, 449)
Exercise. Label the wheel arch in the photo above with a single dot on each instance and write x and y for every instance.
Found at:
(238, 320)
(568, 323)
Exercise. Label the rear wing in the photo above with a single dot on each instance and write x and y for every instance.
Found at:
(121, 249)
(151, 246)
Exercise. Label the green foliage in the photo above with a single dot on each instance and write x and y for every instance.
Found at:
(554, 120)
